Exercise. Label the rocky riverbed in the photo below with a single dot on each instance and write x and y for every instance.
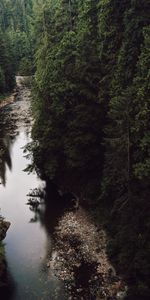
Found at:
(80, 260)
(15, 112)
(16, 108)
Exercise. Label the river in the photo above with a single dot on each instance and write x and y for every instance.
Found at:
(28, 243)
(54, 249)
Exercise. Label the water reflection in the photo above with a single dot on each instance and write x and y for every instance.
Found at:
(47, 206)
(29, 240)
(8, 289)
(6, 142)
(5, 156)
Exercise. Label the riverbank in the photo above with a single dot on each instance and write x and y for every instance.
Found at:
(13, 115)
(7, 99)
(16, 108)
(80, 259)
(4, 226)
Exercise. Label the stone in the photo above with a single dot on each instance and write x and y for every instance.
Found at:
(48, 265)
(4, 226)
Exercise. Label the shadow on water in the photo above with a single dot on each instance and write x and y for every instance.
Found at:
(48, 206)
(7, 290)
(7, 285)
(6, 143)
(46, 214)
(31, 235)
(29, 241)
(5, 158)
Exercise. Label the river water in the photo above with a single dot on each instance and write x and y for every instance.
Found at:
(29, 240)
(53, 249)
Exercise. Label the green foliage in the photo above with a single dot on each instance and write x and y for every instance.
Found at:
(92, 102)
(125, 184)
(67, 79)
(141, 92)
(16, 39)
(25, 67)
(6, 64)
(2, 79)
(91, 107)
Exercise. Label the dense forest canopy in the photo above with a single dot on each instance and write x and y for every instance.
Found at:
(91, 105)
(16, 41)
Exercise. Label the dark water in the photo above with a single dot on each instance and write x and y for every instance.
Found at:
(29, 241)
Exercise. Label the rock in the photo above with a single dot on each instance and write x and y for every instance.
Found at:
(81, 245)
(48, 265)
(3, 229)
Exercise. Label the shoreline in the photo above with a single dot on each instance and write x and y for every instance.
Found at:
(8, 99)
(4, 226)
(80, 256)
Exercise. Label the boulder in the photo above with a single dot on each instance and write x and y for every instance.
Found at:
(4, 226)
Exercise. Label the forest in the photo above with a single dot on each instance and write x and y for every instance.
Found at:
(89, 62)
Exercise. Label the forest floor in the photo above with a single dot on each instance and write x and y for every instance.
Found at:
(79, 256)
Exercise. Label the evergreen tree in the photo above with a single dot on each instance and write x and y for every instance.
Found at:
(68, 89)
(91, 103)
(125, 181)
